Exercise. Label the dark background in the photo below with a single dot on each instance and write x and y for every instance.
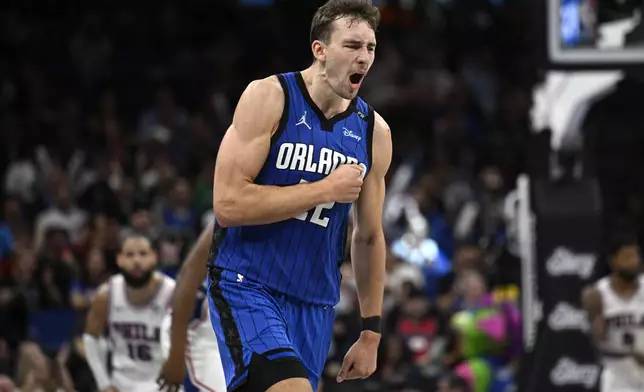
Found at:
(111, 116)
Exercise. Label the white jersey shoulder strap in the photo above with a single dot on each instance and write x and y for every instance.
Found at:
(116, 292)
(603, 286)
(166, 289)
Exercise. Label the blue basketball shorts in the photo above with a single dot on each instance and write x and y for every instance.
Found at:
(188, 386)
(261, 332)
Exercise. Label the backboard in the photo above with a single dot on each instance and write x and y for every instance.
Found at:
(593, 34)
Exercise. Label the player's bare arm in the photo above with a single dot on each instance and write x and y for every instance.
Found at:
(191, 274)
(368, 254)
(368, 242)
(238, 201)
(591, 300)
(94, 349)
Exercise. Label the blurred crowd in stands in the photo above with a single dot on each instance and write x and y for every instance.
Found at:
(111, 120)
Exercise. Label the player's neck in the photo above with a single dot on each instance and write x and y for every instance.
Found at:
(321, 93)
(622, 287)
(143, 295)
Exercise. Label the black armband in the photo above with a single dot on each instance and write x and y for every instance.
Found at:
(371, 324)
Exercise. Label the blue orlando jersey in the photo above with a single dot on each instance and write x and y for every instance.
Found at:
(300, 257)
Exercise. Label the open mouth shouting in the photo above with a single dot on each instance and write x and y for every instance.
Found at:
(355, 79)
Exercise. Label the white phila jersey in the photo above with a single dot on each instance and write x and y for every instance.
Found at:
(624, 321)
(135, 336)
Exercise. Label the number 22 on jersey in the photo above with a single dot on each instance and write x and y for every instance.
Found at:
(316, 213)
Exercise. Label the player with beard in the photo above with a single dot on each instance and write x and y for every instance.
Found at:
(615, 305)
(130, 309)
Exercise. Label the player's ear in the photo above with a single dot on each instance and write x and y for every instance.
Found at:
(319, 50)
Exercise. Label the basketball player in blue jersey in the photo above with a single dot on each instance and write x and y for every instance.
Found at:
(301, 149)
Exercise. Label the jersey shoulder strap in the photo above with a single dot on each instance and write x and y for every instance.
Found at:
(288, 89)
(164, 296)
(116, 291)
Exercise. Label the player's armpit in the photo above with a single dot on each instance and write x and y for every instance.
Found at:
(242, 153)
(368, 246)
(97, 315)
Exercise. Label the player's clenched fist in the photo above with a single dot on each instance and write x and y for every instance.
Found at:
(360, 361)
(344, 183)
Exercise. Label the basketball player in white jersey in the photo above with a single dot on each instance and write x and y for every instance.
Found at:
(188, 338)
(615, 305)
(131, 307)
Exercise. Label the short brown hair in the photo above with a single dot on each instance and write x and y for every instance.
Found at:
(332, 10)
